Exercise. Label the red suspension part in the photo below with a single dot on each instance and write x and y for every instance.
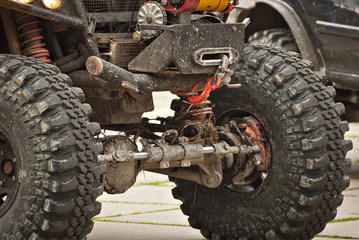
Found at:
(200, 108)
(202, 97)
(31, 37)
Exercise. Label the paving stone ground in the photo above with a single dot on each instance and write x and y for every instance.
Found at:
(148, 211)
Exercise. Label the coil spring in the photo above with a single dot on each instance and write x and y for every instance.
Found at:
(31, 37)
(202, 111)
(185, 110)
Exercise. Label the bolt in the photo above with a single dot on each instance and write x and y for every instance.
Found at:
(149, 19)
(8, 168)
(164, 165)
(2, 153)
(234, 29)
(185, 163)
(14, 160)
(13, 178)
(136, 36)
(258, 163)
(2, 183)
(196, 30)
(164, 2)
(210, 180)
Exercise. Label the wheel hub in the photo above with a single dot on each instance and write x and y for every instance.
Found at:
(245, 172)
(9, 180)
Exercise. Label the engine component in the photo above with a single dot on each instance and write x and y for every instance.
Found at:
(122, 52)
(177, 6)
(213, 5)
(101, 6)
(31, 37)
(151, 13)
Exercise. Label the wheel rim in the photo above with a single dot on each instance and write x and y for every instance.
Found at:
(9, 173)
(254, 182)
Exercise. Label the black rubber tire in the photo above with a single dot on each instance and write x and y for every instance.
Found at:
(306, 175)
(277, 37)
(50, 133)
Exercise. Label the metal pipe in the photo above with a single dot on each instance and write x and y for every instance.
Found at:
(142, 83)
(140, 155)
(78, 62)
(208, 150)
(66, 59)
(11, 31)
(117, 75)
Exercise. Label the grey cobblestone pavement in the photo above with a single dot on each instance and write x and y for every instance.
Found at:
(148, 211)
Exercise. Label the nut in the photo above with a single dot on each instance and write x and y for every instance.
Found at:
(164, 165)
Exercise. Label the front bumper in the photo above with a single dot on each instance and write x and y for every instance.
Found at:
(192, 48)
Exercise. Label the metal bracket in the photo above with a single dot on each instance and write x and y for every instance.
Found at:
(212, 56)
(211, 174)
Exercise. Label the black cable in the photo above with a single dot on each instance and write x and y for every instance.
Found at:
(133, 13)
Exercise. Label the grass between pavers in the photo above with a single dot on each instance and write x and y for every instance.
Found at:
(349, 219)
(351, 189)
(352, 136)
(335, 236)
(148, 223)
(145, 203)
(160, 184)
(134, 213)
(347, 195)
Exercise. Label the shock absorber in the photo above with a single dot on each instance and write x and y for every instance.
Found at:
(32, 40)
(194, 114)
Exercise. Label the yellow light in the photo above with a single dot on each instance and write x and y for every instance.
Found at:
(26, 1)
(52, 4)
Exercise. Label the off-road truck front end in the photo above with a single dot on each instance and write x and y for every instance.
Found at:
(256, 145)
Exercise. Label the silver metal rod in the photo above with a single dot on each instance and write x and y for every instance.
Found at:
(140, 155)
(208, 150)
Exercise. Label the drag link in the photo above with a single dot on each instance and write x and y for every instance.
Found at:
(194, 154)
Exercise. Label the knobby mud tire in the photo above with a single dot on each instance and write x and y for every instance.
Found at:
(50, 133)
(277, 37)
(306, 177)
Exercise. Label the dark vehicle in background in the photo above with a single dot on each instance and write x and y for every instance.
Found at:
(324, 31)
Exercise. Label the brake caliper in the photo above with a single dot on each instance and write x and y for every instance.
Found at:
(251, 130)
